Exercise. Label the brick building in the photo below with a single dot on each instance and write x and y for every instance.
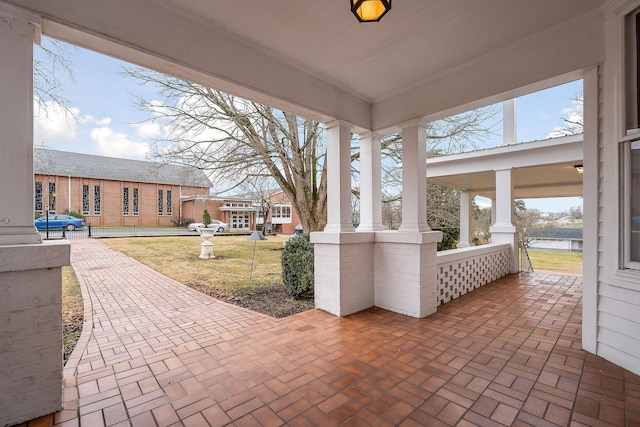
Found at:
(243, 212)
(122, 192)
(112, 192)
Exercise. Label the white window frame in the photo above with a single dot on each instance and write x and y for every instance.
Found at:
(630, 134)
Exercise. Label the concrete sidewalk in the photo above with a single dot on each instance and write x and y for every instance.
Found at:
(155, 353)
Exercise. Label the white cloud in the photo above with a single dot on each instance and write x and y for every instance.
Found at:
(148, 130)
(104, 122)
(53, 122)
(109, 143)
(571, 116)
(483, 202)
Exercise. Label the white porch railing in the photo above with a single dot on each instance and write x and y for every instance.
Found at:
(463, 270)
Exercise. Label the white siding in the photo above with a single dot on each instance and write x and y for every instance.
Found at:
(618, 291)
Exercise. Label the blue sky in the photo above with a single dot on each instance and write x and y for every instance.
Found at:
(108, 122)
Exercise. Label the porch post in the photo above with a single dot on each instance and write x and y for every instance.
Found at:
(414, 177)
(406, 262)
(466, 200)
(16, 121)
(493, 211)
(370, 183)
(338, 177)
(509, 122)
(30, 271)
(503, 231)
(343, 259)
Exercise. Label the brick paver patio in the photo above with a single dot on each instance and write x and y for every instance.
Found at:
(154, 352)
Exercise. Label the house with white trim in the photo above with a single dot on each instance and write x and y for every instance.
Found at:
(423, 61)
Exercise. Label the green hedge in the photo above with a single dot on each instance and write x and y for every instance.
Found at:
(297, 266)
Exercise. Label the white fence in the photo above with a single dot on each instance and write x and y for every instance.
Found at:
(463, 270)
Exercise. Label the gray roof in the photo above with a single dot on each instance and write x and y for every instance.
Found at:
(62, 163)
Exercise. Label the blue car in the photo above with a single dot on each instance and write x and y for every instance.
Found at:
(59, 222)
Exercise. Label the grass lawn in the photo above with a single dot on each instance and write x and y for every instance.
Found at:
(72, 310)
(177, 257)
(567, 262)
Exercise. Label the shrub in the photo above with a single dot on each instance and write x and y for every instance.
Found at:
(206, 218)
(450, 237)
(74, 214)
(183, 222)
(297, 266)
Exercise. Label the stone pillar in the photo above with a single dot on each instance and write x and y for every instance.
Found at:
(338, 177)
(509, 135)
(414, 177)
(370, 183)
(466, 213)
(30, 271)
(503, 231)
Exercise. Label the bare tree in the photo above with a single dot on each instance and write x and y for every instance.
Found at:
(260, 189)
(51, 72)
(526, 220)
(234, 138)
(480, 223)
(574, 122)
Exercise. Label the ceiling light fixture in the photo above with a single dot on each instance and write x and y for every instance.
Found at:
(579, 168)
(370, 10)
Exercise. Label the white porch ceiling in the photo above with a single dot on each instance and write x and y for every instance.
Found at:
(312, 57)
(415, 42)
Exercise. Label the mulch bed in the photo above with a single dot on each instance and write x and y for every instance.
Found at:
(273, 300)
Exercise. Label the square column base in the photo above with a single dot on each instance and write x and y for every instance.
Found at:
(343, 271)
(406, 273)
(31, 329)
(507, 234)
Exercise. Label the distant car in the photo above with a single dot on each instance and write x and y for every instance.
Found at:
(59, 222)
(217, 225)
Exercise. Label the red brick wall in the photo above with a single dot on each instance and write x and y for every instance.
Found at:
(111, 200)
(288, 228)
(194, 209)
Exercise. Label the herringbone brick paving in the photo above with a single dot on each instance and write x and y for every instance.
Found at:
(156, 353)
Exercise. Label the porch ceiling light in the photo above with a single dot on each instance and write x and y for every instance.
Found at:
(370, 10)
(579, 168)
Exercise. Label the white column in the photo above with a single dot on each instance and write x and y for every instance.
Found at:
(339, 177)
(370, 183)
(509, 122)
(590, 186)
(493, 211)
(466, 201)
(30, 271)
(414, 177)
(17, 35)
(504, 198)
(503, 231)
